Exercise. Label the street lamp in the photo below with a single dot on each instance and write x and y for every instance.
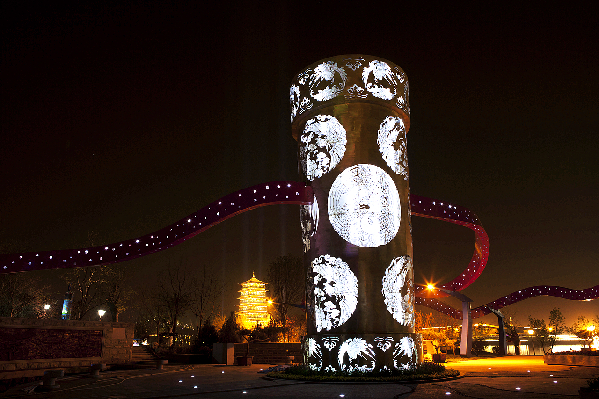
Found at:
(101, 313)
(466, 336)
(46, 308)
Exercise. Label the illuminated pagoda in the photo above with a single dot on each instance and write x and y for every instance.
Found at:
(253, 303)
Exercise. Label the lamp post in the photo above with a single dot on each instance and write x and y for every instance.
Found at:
(101, 313)
(466, 336)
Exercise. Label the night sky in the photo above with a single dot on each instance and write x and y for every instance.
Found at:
(119, 120)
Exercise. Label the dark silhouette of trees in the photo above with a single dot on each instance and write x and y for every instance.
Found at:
(22, 295)
(541, 332)
(86, 285)
(286, 284)
(175, 294)
(207, 290)
(230, 331)
(557, 326)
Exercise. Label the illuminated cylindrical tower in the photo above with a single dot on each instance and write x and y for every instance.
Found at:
(350, 116)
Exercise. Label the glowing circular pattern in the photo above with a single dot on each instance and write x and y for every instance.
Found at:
(321, 145)
(335, 290)
(309, 222)
(392, 145)
(364, 206)
(398, 290)
(356, 354)
(380, 80)
(327, 81)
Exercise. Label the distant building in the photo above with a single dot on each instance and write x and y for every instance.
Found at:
(253, 303)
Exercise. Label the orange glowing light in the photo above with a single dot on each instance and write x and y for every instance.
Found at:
(430, 286)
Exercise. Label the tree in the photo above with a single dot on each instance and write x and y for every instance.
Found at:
(175, 294)
(541, 335)
(207, 290)
(556, 326)
(512, 336)
(86, 285)
(151, 316)
(286, 284)
(22, 295)
(436, 327)
(230, 332)
(116, 289)
(581, 328)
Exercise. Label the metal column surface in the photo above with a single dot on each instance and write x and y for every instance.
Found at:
(350, 116)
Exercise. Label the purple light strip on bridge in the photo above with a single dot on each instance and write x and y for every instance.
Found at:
(441, 210)
(278, 192)
(287, 192)
(516, 296)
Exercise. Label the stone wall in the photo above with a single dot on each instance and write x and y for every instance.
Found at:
(271, 352)
(30, 346)
(571, 360)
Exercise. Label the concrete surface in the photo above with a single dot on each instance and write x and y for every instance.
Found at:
(482, 378)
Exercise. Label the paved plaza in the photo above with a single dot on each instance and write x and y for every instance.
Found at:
(507, 377)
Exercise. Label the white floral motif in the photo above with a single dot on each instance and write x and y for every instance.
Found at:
(405, 347)
(383, 343)
(330, 342)
(335, 290)
(379, 80)
(314, 352)
(356, 91)
(353, 63)
(327, 81)
(360, 354)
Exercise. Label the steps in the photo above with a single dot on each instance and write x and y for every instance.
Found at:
(140, 354)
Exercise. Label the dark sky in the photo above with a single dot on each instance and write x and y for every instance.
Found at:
(119, 120)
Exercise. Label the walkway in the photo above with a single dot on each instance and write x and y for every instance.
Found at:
(509, 377)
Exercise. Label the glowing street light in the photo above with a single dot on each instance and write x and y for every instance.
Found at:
(101, 313)
(466, 337)
(46, 307)
(591, 328)
(531, 332)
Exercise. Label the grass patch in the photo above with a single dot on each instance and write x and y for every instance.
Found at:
(425, 371)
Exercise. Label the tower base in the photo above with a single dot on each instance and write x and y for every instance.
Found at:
(362, 352)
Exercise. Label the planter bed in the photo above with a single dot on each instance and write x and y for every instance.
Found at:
(571, 360)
